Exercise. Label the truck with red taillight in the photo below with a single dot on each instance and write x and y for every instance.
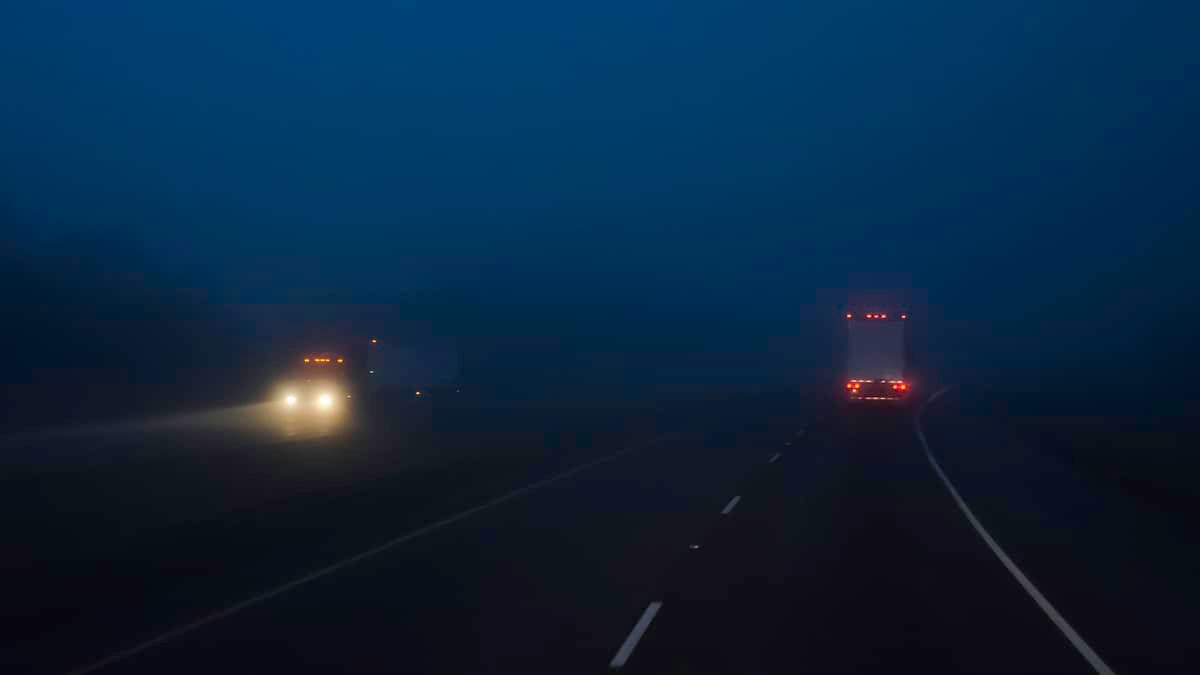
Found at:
(875, 364)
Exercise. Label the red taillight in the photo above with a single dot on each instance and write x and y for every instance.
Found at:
(903, 387)
(849, 385)
(849, 316)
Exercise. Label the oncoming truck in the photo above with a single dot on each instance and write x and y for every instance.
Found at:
(324, 382)
(875, 365)
(320, 382)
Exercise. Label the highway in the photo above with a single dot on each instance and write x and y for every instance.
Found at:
(754, 534)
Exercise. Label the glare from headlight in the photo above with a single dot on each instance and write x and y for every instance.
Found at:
(290, 399)
(324, 400)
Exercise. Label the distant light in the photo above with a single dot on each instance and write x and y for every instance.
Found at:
(849, 316)
(341, 360)
(418, 392)
(374, 341)
(883, 316)
(903, 316)
(306, 360)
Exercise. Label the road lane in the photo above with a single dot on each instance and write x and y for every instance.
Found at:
(1069, 632)
(1122, 572)
(851, 558)
(587, 548)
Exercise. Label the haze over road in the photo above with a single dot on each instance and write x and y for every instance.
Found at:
(756, 534)
(624, 256)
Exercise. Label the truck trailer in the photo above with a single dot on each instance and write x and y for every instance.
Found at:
(875, 357)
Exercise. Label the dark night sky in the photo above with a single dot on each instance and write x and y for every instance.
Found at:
(1025, 173)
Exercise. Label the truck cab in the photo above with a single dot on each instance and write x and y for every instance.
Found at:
(320, 383)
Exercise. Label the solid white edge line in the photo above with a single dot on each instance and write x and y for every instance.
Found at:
(1075, 639)
(732, 503)
(186, 628)
(774, 458)
(635, 636)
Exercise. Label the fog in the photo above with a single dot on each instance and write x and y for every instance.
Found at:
(640, 199)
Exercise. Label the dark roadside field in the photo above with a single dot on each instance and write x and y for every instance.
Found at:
(1145, 449)
(1151, 459)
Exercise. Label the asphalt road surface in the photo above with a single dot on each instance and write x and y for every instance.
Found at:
(754, 534)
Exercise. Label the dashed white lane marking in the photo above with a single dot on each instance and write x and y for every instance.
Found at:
(186, 628)
(1075, 639)
(774, 458)
(732, 503)
(635, 636)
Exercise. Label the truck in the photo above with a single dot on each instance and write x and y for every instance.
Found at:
(320, 382)
(875, 357)
(325, 382)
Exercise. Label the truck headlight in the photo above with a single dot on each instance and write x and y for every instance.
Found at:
(324, 400)
(289, 400)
